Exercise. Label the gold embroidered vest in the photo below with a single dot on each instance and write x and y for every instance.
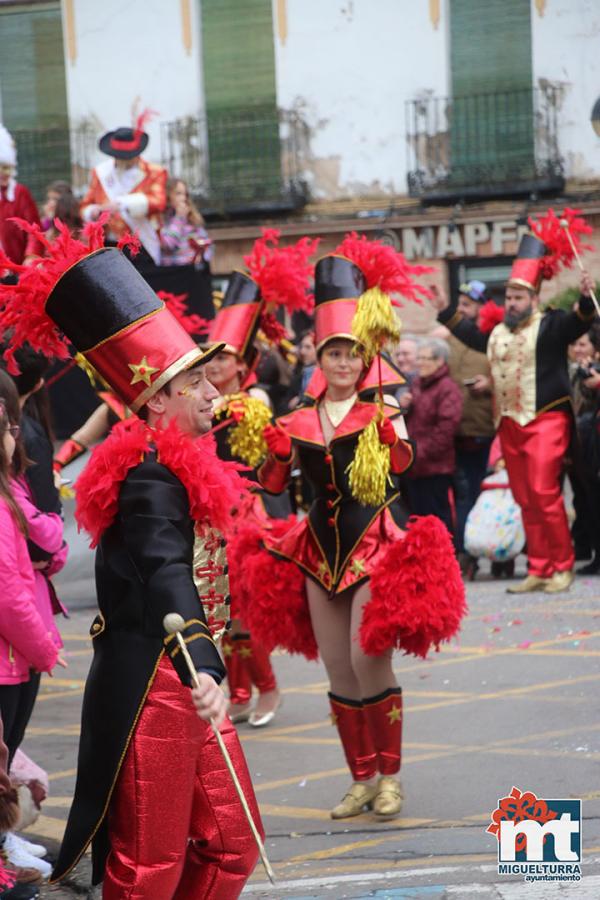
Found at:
(211, 577)
(512, 356)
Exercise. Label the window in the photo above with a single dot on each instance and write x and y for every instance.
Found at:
(33, 98)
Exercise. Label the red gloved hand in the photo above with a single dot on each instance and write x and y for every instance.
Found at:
(387, 432)
(278, 442)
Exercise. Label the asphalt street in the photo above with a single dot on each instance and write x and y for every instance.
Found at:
(514, 702)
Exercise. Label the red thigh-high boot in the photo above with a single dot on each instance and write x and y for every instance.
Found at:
(384, 715)
(235, 654)
(359, 750)
(263, 676)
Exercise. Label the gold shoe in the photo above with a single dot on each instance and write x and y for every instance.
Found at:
(359, 796)
(560, 581)
(388, 801)
(529, 584)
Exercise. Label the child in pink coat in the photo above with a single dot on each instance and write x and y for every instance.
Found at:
(25, 639)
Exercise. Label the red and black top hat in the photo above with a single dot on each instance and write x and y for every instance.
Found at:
(238, 319)
(338, 285)
(277, 277)
(103, 306)
(527, 269)
(550, 248)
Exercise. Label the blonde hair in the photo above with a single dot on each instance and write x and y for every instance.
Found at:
(194, 215)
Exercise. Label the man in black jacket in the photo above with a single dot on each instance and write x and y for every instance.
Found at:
(532, 399)
(153, 795)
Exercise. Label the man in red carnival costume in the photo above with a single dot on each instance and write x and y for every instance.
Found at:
(532, 394)
(132, 190)
(15, 200)
(153, 795)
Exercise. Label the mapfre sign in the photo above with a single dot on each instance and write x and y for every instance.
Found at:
(464, 239)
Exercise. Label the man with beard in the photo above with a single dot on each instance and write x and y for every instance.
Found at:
(527, 353)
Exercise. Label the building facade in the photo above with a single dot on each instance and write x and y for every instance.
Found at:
(439, 125)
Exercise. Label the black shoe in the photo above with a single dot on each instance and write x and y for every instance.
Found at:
(20, 892)
(592, 568)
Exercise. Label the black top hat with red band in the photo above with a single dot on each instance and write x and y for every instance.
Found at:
(124, 143)
(122, 328)
(528, 268)
(238, 319)
(338, 285)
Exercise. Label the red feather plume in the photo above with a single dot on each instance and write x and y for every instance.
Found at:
(283, 274)
(559, 250)
(177, 306)
(22, 306)
(490, 315)
(384, 267)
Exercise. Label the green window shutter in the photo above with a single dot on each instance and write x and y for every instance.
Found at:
(33, 91)
(491, 119)
(238, 60)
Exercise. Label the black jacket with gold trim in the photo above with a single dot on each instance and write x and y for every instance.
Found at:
(337, 521)
(144, 570)
(529, 364)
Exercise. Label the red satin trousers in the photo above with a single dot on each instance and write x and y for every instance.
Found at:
(177, 828)
(534, 455)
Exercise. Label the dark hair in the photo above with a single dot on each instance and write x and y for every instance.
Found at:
(59, 187)
(9, 398)
(37, 406)
(594, 335)
(32, 367)
(5, 472)
(67, 211)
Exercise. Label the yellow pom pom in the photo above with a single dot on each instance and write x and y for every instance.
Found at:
(246, 439)
(369, 471)
(375, 322)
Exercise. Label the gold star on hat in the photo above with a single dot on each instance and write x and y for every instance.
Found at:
(394, 714)
(143, 371)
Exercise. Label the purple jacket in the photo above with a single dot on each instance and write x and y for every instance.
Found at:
(46, 531)
(432, 422)
(25, 641)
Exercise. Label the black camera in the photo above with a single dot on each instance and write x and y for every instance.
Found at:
(583, 372)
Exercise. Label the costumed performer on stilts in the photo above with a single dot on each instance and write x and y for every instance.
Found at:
(350, 581)
(153, 795)
(277, 276)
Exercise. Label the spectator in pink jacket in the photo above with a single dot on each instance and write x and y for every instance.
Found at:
(25, 640)
(432, 421)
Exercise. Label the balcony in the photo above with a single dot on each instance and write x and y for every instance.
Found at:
(240, 163)
(483, 146)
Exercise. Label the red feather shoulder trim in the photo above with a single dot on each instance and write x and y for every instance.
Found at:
(213, 486)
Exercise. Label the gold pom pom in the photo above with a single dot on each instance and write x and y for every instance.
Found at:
(375, 322)
(96, 380)
(369, 471)
(246, 439)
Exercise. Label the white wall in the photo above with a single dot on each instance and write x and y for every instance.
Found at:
(566, 49)
(349, 66)
(129, 49)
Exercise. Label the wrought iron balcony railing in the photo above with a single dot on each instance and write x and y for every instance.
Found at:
(483, 145)
(238, 162)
